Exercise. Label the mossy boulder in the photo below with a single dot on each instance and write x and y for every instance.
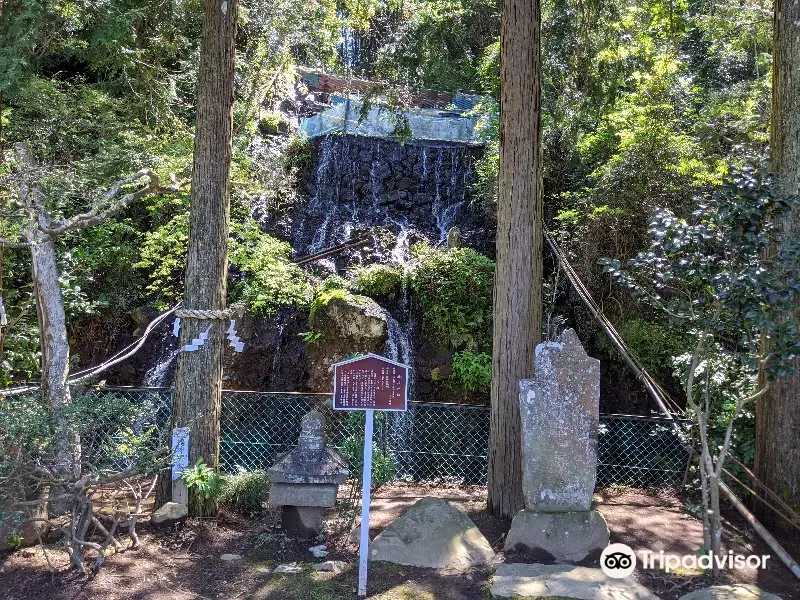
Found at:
(345, 325)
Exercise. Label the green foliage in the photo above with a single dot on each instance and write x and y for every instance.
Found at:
(713, 273)
(116, 434)
(352, 450)
(334, 282)
(298, 156)
(472, 371)
(377, 280)
(245, 491)
(272, 124)
(310, 337)
(163, 257)
(269, 279)
(19, 358)
(202, 479)
(452, 290)
(654, 344)
(435, 43)
(321, 300)
(728, 381)
(132, 46)
(15, 541)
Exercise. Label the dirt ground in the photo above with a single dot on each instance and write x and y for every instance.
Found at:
(182, 562)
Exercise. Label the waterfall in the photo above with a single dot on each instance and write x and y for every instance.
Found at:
(156, 375)
(446, 213)
(398, 345)
(316, 203)
(362, 186)
(276, 357)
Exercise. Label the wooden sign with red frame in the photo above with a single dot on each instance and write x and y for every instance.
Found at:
(370, 382)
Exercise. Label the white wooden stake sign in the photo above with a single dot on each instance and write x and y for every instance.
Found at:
(180, 460)
(369, 383)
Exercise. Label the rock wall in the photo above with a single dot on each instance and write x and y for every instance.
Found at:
(359, 184)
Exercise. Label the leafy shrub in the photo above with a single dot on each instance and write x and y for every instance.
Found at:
(272, 124)
(203, 479)
(245, 490)
(310, 337)
(472, 371)
(377, 280)
(99, 441)
(270, 280)
(453, 293)
(334, 282)
(652, 343)
(163, 254)
(352, 449)
(298, 156)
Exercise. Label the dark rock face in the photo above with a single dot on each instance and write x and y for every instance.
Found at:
(274, 357)
(362, 183)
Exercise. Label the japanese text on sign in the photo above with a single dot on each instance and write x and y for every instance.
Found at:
(370, 382)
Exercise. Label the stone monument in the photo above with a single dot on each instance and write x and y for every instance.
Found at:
(305, 480)
(560, 414)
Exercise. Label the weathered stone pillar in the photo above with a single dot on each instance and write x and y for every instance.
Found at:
(560, 413)
(305, 480)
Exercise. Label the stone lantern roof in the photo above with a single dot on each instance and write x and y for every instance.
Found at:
(310, 462)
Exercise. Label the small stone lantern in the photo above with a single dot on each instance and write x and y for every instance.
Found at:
(305, 480)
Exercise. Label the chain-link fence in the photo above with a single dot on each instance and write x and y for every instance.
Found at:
(640, 452)
(428, 442)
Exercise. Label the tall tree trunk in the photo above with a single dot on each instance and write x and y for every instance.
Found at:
(49, 301)
(518, 279)
(53, 342)
(778, 411)
(198, 381)
(52, 321)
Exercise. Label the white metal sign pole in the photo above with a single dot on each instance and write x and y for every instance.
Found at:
(366, 479)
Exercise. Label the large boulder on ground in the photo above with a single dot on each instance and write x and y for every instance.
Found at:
(170, 512)
(434, 534)
(514, 580)
(568, 537)
(737, 591)
(347, 324)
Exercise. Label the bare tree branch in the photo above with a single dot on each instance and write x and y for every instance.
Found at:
(109, 205)
(33, 199)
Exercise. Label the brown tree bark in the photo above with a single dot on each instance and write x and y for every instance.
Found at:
(777, 461)
(49, 303)
(518, 278)
(198, 380)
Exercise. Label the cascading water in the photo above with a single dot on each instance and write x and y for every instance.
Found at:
(157, 375)
(398, 345)
(364, 185)
(446, 213)
(393, 194)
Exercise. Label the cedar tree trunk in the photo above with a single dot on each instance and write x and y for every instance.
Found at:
(777, 461)
(198, 381)
(517, 288)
